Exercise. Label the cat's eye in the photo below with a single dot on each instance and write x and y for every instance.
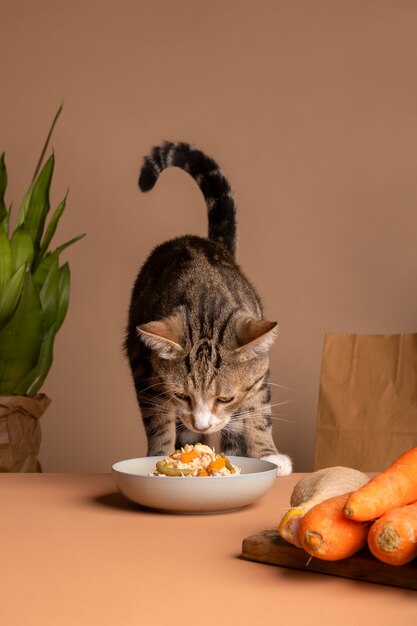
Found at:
(182, 396)
(225, 399)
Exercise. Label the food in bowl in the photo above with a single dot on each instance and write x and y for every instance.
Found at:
(196, 460)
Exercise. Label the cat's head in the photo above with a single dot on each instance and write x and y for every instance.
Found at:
(209, 374)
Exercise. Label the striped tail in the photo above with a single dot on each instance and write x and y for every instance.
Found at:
(208, 176)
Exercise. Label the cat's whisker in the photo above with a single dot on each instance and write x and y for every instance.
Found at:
(227, 435)
(153, 395)
(157, 406)
(278, 385)
(154, 415)
(260, 412)
(149, 387)
(159, 382)
(281, 419)
(264, 411)
(255, 415)
(146, 378)
(163, 393)
(244, 413)
(181, 426)
(148, 406)
(281, 403)
(151, 402)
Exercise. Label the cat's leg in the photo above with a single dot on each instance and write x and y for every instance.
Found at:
(262, 446)
(233, 439)
(158, 417)
(252, 437)
(258, 427)
(160, 430)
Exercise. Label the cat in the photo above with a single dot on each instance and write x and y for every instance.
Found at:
(196, 341)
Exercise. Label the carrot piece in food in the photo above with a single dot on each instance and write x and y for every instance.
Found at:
(218, 464)
(394, 487)
(187, 457)
(393, 537)
(202, 473)
(324, 532)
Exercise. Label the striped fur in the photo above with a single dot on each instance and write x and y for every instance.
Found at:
(208, 176)
(196, 340)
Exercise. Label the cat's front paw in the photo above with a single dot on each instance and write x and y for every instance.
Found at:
(282, 460)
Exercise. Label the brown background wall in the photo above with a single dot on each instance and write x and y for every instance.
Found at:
(310, 107)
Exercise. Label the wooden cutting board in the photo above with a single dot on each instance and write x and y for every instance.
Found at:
(267, 547)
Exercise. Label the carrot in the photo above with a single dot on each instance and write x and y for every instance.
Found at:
(202, 473)
(218, 464)
(314, 488)
(326, 533)
(187, 457)
(394, 487)
(393, 537)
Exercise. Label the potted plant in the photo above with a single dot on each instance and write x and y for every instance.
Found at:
(34, 296)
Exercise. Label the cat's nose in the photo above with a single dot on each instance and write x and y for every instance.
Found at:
(200, 425)
(201, 429)
(202, 419)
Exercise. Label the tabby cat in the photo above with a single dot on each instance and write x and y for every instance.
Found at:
(196, 339)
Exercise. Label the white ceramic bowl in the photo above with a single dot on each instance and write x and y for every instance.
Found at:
(189, 494)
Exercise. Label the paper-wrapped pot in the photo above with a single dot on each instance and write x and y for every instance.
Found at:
(20, 432)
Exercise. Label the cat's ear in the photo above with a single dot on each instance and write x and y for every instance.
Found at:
(162, 336)
(255, 337)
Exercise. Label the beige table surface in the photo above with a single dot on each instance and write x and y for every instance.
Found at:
(74, 552)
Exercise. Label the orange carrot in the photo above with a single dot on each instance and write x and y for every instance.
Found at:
(394, 487)
(187, 457)
(202, 473)
(326, 533)
(393, 537)
(218, 464)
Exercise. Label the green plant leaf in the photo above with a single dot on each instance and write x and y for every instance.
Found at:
(36, 206)
(41, 272)
(4, 224)
(26, 200)
(3, 185)
(24, 207)
(63, 294)
(65, 245)
(43, 268)
(49, 296)
(31, 384)
(11, 294)
(34, 290)
(22, 247)
(45, 146)
(50, 231)
(5, 260)
(21, 340)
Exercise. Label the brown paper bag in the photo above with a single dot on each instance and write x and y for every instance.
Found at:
(20, 432)
(367, 409)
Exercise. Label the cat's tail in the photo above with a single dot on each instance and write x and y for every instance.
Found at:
(208, 176)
